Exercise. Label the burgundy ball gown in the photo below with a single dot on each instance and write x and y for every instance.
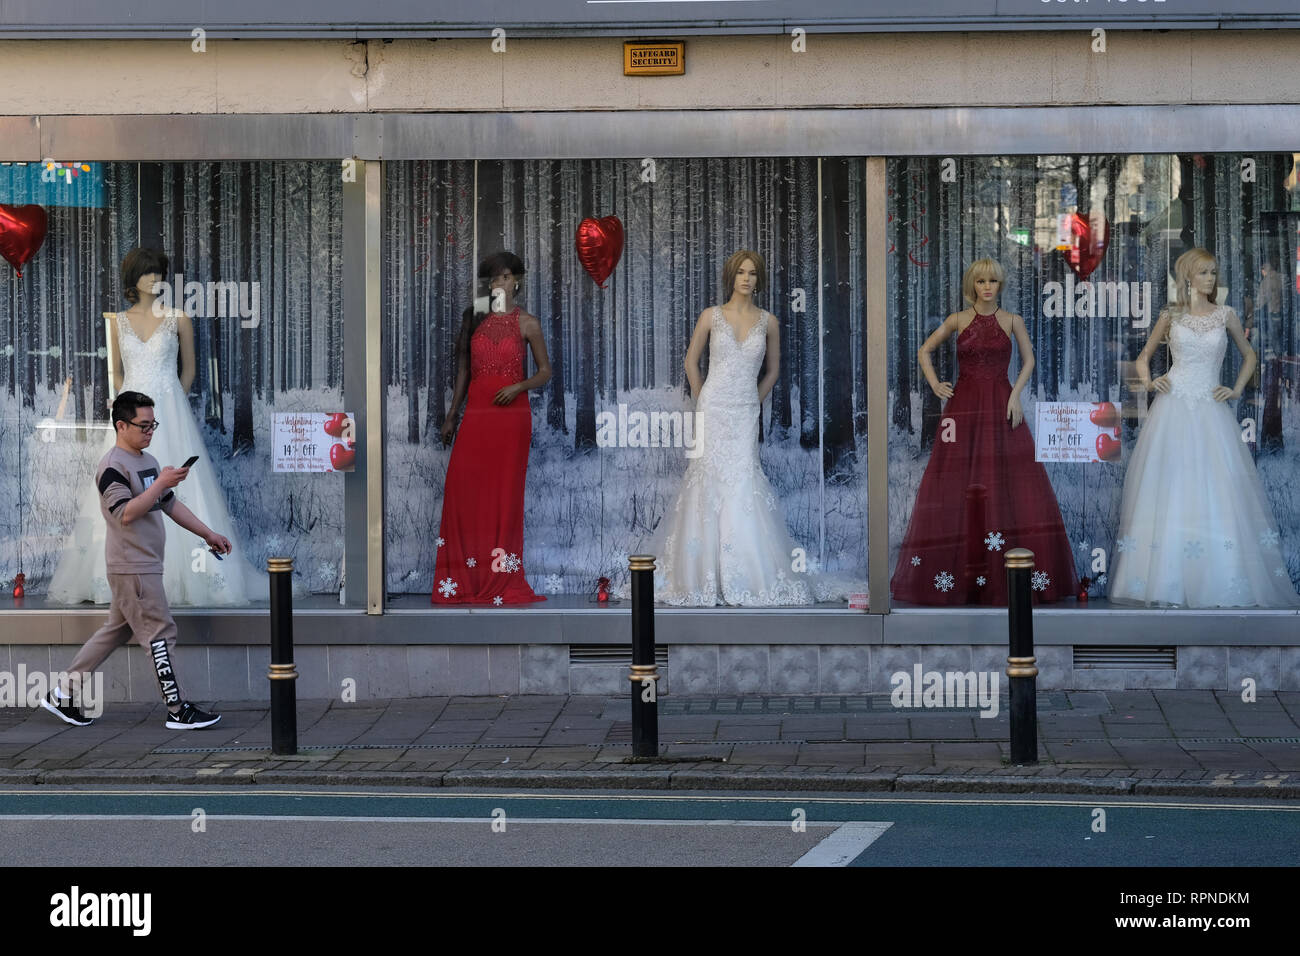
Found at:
(982, 493)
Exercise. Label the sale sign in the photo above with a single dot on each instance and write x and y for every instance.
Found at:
(313, 441)
(1076, 431)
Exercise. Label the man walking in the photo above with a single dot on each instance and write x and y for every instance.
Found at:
(134, 493)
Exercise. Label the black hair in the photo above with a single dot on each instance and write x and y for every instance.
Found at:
(470, 318)
(128, 403)
(140, 262)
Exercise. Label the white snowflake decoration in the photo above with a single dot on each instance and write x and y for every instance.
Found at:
(1125, 545)
(1193, 549)
(1279, 572)
(554, 583)
(1227, 544)
(981, 580)
(498, 601)
(439, 542)
(471, 562)
(325, 571)
(994, 540)
(916, 560)
(447, 587)
(1268, 537)
(1040, 581)
(511, 563)
(943, 581)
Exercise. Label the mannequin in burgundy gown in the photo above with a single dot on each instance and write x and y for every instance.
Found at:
(480, 541)
(982, 492)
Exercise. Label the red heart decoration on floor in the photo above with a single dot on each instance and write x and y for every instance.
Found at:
(334, 425)
(1085, 254)
(600, 245)
(1104, 414)
(1108, 448)
(22, 230)
(343, 457)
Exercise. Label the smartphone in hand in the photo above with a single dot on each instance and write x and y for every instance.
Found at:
(189, 461)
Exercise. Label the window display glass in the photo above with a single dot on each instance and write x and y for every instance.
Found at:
(214, 288)
(1139, 313)
(622, 265)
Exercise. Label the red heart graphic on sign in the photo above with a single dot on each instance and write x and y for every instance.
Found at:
(1085, 254)
(22, 230)
(1108, 448)
(334, 424)
(600, 245)
(1104, 414)
(343, 457)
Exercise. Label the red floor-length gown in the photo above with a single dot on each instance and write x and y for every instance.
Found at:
(481, 537)
(982, 494)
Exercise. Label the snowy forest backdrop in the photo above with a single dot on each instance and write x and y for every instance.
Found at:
(587, 507)
(1158, 207)
(279, 224)
(274, 223)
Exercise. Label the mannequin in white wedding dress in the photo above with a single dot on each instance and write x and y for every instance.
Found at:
(724, 540)
(149, 341)
(1196, 529)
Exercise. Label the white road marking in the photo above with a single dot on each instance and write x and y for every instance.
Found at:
(844, 845)
(308, 818)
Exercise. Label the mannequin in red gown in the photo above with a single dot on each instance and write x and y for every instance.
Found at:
(982, 492)
(480, 541)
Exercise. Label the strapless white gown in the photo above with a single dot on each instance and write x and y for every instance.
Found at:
(190, 577)
(1196, 529)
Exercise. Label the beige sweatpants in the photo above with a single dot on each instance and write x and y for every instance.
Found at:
(139, 611)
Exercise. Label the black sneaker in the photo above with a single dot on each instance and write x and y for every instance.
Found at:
(64, 709)
(190, 718)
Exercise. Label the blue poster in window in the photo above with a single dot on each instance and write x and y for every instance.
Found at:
(51, 183)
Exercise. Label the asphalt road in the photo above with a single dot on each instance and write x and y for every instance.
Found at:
(227, 826)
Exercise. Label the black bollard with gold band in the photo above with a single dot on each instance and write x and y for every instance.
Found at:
(645, 675)
(283, 673)
(1022, 675)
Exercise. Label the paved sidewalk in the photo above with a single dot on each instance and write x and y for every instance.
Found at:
(1172, 742)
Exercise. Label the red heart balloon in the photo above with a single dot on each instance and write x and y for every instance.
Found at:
(1085, 254)
(343, 457)
(1108, 449)
(600, 245)
(334, 425)
(1104, 414)
(22, 230)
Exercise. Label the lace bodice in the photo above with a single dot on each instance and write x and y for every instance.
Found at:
(1197, 344)
(734, 364)
(149, 365)
(497, 348)
(983, 350)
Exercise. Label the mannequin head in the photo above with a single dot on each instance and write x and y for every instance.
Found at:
(985, 271)
(141, 268)
(501, 270)
(744, 273)
(1196, 272)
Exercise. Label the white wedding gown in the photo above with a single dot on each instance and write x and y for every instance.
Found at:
(1195, 527)
(725, 541)
(189, 578)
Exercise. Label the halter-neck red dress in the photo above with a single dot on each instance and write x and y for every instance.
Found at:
(481, 538)
(982, 493)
